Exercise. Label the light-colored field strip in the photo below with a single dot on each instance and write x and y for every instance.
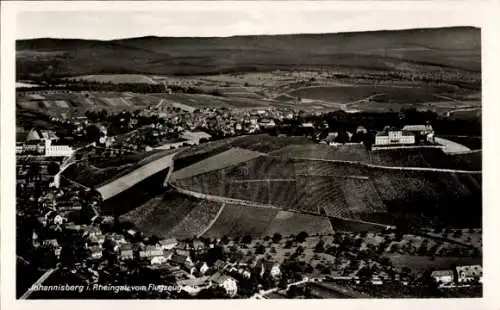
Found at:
(130, 179)
(125, 101)
(62, 104)
(451, 147)
(225, 159)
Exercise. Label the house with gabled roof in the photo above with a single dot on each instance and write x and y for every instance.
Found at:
(126, 251)
(228, 283)
(168, 244)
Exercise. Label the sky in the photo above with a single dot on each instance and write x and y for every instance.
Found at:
(105, 25)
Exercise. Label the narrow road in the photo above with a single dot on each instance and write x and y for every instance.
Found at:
(39, 282)
(261, 295)
(391, 167)
(212, 222)
(261, 180)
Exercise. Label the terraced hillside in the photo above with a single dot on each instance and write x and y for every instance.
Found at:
(173, 214)
(347, 190)
(177, 215)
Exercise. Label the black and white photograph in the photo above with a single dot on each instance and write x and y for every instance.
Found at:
(260, 153)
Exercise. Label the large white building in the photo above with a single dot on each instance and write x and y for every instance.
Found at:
(42, 142)
(394, 137)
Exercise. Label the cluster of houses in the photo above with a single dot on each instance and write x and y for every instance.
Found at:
(223, 121)
(460, 275)
(408, 135)
(171, 255)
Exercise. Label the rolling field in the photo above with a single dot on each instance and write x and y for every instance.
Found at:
(117, 78)
(372, 93)
(453, 49)
(236, 220)
(287, 223)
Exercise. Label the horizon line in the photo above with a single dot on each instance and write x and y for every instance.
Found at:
(246, 35)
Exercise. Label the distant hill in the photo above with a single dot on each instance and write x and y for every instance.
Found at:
(453, 48)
